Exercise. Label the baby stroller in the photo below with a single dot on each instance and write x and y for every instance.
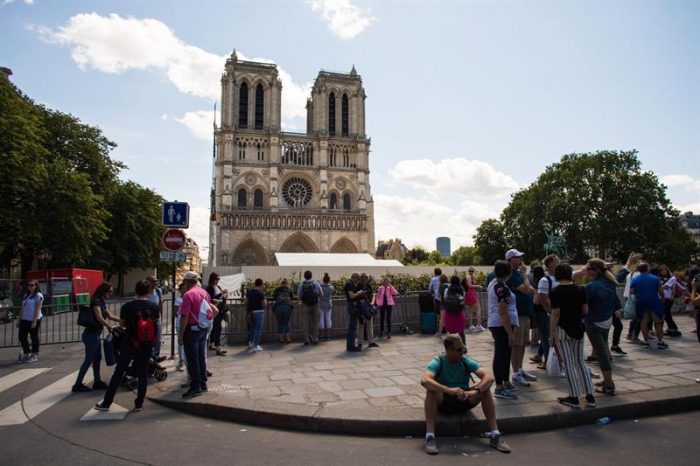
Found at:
(130, 380)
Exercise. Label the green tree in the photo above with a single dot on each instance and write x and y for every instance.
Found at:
(416, 255)
(601, 203)
(490, 241)
(135, 232)
(464, 255)
(435, 258)
(21, 136)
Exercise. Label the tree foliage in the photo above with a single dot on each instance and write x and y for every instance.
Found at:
(61, 193)
(490, 241)
(601, 203)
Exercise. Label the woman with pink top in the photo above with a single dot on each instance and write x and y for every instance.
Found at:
(472, 301)
(385, 300)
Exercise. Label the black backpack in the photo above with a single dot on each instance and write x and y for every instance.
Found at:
(308, 294)
(454, 302)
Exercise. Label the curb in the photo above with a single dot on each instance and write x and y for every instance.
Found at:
(401, 422)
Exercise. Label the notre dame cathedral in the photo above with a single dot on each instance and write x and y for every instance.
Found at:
(276, 191)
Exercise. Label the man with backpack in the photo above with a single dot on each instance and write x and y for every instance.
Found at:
(196, 317)
(448, 391)
(309, 291)
(138, 318)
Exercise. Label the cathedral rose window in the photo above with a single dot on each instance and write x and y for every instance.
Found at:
(297, 192)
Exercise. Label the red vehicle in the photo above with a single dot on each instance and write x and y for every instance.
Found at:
(66, 287)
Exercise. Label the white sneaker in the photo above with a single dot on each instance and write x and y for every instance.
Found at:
(31, 358)
(480, 328)
(520, 380)
(472, 329)
(257, 348)
(527, 376)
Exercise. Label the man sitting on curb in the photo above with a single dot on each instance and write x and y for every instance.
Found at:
(447, 384)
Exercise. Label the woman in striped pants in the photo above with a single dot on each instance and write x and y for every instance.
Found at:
(567, 330)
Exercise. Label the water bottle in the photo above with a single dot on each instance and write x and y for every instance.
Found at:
(603, 421)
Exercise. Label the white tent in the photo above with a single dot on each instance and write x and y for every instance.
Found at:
(329, 259)
(233, 284)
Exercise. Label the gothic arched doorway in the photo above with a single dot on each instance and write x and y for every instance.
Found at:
(249, 252)
(298, 242)
(344, 245)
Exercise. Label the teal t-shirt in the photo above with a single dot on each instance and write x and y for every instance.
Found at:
(452, 374)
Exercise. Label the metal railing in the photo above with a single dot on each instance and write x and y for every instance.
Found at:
(62, 328)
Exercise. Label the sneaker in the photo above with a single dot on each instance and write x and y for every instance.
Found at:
(472, 329)
(80, 388)
(528, 377)
(257, 348)
(185, 384)
(661, 345)
(204, 387)
(137, 408)
(430, 445)
(31, 358)
(617, 351)
(101, 407)
(480, 328)
(209, 374)
(191, 393)
(646, 345)
(570, 401)
(504, 394)
(590, 401)
(536, 359)
(180, 366)
(499, 444)
(99, 385)
(509, 386)
(520, 380)
(373, 345)
(250, 345)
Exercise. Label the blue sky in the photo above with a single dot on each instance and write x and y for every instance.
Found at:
(467, 101)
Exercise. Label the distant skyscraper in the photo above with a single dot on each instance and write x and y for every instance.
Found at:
(443, 246)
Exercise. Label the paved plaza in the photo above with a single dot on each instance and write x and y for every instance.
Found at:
(377, 392)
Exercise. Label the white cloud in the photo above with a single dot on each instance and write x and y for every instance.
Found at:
(199, 228)
(688, 183)
(344, 19)
(455, 176)
(26, 2)
(693, 207)
(114, 44)
(200, 123)
(420, 221)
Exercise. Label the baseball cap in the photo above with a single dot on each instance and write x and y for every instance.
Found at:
(453, 341)
(191, 275)
(513, 253)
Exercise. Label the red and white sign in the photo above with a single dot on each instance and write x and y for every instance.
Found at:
(173, 239)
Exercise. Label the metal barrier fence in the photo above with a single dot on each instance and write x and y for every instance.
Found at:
(62, 328)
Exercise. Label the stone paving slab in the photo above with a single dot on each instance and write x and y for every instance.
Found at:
(326, 389)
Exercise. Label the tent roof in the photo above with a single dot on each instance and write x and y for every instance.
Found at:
(332, 259)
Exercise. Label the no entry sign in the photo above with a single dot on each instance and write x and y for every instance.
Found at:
(173, 239)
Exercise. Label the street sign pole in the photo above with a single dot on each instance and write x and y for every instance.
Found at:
(172, 312)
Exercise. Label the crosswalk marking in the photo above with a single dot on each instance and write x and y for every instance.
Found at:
(115, 413)
(20, 376)
(38, 402)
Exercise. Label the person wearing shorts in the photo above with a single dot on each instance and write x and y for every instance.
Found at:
(646, 289)
(446, 381)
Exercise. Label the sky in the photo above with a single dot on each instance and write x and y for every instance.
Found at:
(467, 103)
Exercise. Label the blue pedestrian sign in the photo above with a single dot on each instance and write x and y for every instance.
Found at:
(176, 215)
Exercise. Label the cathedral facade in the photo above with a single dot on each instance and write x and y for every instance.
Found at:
(276, 191)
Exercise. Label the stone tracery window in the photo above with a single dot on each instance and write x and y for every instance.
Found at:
(331, 114)
(259, 106)
(344, 116)
(296, 192)
(243, 106)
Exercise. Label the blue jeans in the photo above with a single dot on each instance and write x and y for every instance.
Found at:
(543, 330)
(352, 323)
(93, 356)
(284, 313)
(258, 317)
(195, 343)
